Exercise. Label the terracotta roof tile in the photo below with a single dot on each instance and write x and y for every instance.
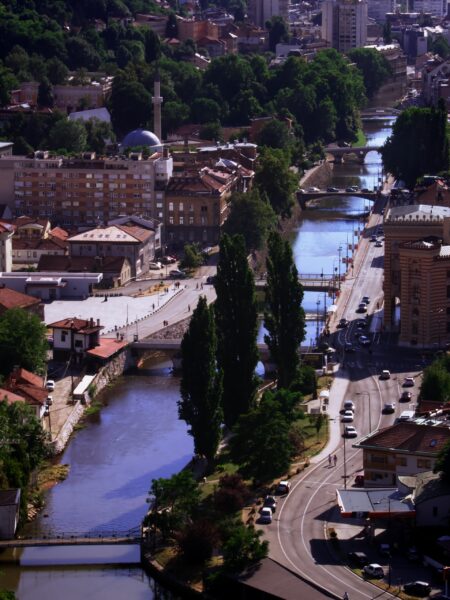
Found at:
(409, 437)
(78, 325)
(12, 299)
(107, 348)
(10, 397)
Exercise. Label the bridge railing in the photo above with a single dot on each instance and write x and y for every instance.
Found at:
(131, 534)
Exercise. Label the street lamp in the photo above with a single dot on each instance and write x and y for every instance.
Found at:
(370, 412)
(340, 251)
(345, 460)
(317, 321)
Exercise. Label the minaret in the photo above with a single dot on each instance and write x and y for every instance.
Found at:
(157, 101)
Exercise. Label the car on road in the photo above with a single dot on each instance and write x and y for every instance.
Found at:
(408, 382)
(362, 307)
(332, 189)
(373, 571)
(364, 340)
(349, 405)
(313, 189)
(349, 347)
(347, 417)
(342, 323)
(177, 274)
(357, 558)
(361, 324)
(406, 396)
(301, 191)
(366, 191)
(385, 374)
(155, 266)
(378, 244)
(50, 385)
(271, 503)
(365, 299)
(389, 408)
(373, 238)
(417, 588)
(265, 516)
(283, 487)
(351, 188)
(350, 431)
(168, 260)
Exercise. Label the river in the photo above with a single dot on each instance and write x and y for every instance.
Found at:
(137, 435)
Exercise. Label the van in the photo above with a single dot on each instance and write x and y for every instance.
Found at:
(406, 415)
(385, 374)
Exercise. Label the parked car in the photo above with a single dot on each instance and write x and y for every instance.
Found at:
(271, 503)
(385, 374)
(350, 431)
(313, 189)
(357, 558)
(417, 588)
(362, 307)
(378, 244)
(50, 385)
(342, 323)
(347, 417)
(168, 260)
(406, 396)
(373, 571)
(366, 190)
(177, 274)
(351, 188)
(412, 555)
(349, 405)
(408, 382)
(265, 515)
(389, 408)
(364, 340)
(365, 299)
(155, 266)
(384, 550)
(373, 238)
(283, 487)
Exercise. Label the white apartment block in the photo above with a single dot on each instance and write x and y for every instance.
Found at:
(344, 23)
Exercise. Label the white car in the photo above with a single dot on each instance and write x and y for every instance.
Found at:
(155, 266)
(347, 417)
(313, 189)
(50, 385)
(350, 431)
(283, 487)
(374, 571)
(265, 515)
(408, 382)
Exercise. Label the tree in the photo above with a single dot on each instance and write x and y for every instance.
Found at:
(236, 319)
(275, 179)
(387, 33)
(57, 72)
(274, 134)
(68, 135)
(130, 105)
(285, 317)
(205, 110)
(439, 45)
(418, 144)
(98, 134)
(442, 464)
(45, 95)
(243, 548)
(374, 68)
(172, 26)
(201, 382)
(197, 541)
(436, 383)
(260, 444)
(252, 217)
(278, 31)
(23, 341)
(192, 257)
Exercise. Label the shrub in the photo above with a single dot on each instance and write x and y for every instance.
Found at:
(197, 541)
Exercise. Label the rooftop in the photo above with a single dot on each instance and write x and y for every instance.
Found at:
(408, 437)
(12, 299)
(373, 502)
(416, 212)
(107, 348)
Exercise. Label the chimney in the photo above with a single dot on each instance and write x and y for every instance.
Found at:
(98, 322)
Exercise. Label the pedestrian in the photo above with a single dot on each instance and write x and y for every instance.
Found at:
(201, 285)
(196, 286)
(329, 460)
(153, 307)
(345, 596)
(335, 460)
(189, 308)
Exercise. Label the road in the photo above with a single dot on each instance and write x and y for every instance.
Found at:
(297, 534)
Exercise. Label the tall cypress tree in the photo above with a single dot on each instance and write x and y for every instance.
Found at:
(236, 319)
(285, 317)
(201, 382)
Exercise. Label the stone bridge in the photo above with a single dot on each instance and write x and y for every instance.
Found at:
(360, 152)
(304, 196)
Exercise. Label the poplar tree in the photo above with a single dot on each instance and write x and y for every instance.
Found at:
(285, 317)
(236, 320)
(201, 382)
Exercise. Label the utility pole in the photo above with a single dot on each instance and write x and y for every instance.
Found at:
(340, 252)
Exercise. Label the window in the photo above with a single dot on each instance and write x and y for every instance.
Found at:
(171, 208)
(191, 220)
(380, 460)
(181, 207)
(181, 220)
(78, 343)
(63, 335)
(423, 463)
(401, 461)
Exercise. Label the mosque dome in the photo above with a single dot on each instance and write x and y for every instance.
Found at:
(141, 137)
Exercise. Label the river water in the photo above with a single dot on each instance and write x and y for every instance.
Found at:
(138, 437)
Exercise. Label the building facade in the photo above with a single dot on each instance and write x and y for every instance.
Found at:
(87, 190)
(417, 274)
(260, 11)
(6, 251)
(344, 23)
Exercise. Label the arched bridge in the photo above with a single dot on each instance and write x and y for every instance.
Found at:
(360, 152)
(304, 195)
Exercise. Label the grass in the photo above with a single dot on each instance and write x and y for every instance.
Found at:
(51, 474)
(313, 442)
(361, 139)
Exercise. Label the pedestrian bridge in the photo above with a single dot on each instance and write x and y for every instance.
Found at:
(132, 536)
(311, 282)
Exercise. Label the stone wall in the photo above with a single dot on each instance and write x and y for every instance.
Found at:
(114, 369)
(318, 176)
(60, 442)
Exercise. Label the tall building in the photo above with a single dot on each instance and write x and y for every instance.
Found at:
(344, 23)
(260, 11)
(377, 9)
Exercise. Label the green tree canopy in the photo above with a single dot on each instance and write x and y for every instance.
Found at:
(251, 216)
(442, 464)
(285, 317)
(23, 341)
(436, 381)
(274, 179)
(201, 382)
(418, 144)
(236, 318)
(70, 135)
(374, 68)
(130, 105)
(243, 548)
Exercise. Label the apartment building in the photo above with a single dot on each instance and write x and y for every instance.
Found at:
(403, 449)
(84, 191)
(6, 235)
(417, 274)
(260, 11)
(344, 23)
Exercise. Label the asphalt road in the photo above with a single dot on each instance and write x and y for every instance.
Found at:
(297, 534)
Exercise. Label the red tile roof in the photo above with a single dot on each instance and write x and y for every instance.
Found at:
(139, 233)
(78, 325)
(12, 299)
(50, 244)
(107, 348)
(21, 375)
(10, 397)
(409, 437)
(58, 232)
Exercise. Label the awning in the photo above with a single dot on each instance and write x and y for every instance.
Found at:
(324, 394)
